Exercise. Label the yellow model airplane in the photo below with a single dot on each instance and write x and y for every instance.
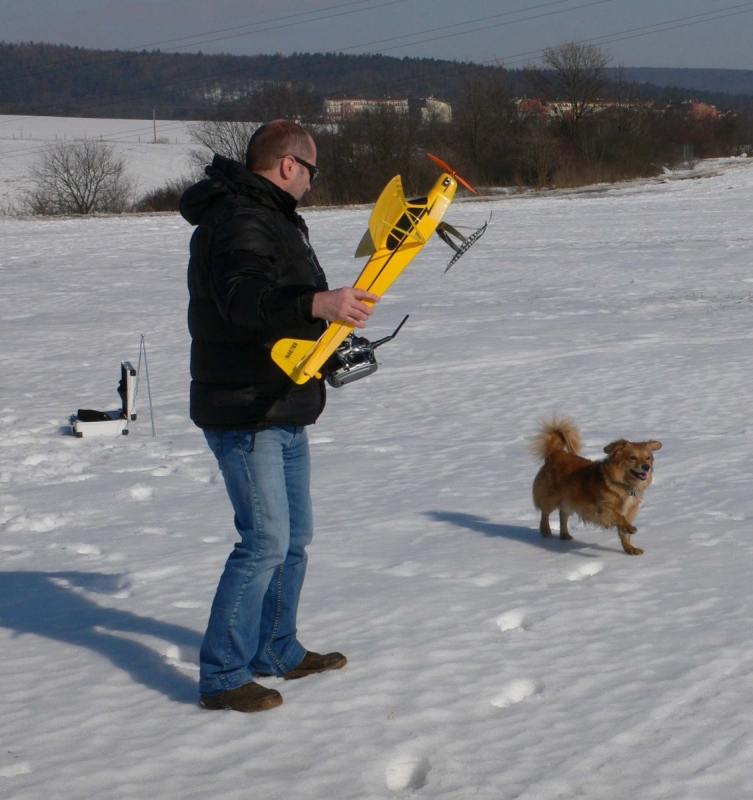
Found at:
(398, 229)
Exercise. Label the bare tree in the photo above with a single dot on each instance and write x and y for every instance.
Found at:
(574, 74)
(361, 153)
(279, 99)
(538, 154)
(229, 138)
(83, 176)
(482, 122)
(228, 133)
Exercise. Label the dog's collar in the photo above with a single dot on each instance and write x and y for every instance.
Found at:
(632, 492)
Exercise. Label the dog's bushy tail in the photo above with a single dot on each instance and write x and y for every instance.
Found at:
(557, 433)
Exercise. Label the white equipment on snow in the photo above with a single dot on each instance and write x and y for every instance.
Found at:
(110, 423)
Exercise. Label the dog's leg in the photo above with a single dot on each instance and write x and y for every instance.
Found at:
(611, 518)
(544, 524)
(624, 534)
(564, 533)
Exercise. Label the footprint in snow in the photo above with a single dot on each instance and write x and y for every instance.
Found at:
(83, 549)
(486, 579)
(141, 493)
(37, 523)
(11, 551)
(407, 773)
(516, 692)
(14, 770)
(510, 620)
(34, 460)
(113, 585)
(405, 569)
(149, 531)
(585, 571)
(162, 472)
(185, 658)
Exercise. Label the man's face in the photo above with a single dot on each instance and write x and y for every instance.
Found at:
(301, 180)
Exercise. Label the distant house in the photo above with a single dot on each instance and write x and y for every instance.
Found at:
(564, 108)
(435, 110)
(702, 111)
(532, 107)
(340, 109)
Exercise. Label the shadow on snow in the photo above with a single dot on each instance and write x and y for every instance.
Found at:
(529, 536)
(54, 605)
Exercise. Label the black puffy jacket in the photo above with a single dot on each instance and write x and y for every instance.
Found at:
(252, 275)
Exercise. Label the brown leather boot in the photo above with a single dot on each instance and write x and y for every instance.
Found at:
(248, 698)
(313, 663)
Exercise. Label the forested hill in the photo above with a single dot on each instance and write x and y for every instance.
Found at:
(45, 79)
(72, 81)
(729, 81)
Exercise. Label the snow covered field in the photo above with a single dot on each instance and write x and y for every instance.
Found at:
(23, 139)
(485, 661)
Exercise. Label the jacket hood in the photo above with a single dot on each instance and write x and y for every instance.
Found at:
(229, 183)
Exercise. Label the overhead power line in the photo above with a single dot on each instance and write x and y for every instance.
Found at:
(485, 27)
(238, 29)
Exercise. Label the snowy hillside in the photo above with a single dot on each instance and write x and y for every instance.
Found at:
(485, 661)
(154, 152)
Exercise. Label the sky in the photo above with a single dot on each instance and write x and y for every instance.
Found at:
(639, 33)
(484, 661)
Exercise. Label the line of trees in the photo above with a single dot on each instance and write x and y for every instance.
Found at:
(583, 127)
(39, 78)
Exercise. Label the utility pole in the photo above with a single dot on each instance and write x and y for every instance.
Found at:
(154, 120)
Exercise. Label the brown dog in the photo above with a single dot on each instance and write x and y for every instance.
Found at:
(607, 493)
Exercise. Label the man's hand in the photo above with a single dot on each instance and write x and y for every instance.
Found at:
(345, 305)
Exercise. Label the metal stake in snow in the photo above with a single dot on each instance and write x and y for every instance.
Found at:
(142, 351)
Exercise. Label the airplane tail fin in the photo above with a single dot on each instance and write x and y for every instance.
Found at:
(288, 355)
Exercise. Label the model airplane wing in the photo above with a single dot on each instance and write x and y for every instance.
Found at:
(398, 229)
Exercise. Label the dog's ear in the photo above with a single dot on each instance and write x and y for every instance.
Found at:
(612, 446)
(653, 445)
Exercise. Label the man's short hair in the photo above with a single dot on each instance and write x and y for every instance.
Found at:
(281, 137)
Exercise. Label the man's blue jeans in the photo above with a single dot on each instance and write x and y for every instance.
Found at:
(252, 625)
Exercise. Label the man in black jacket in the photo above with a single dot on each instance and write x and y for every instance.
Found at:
(254, 278)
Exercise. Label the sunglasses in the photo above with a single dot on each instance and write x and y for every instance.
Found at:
(313, 171)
